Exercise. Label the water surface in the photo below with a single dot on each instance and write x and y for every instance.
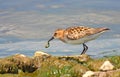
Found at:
(26, 25)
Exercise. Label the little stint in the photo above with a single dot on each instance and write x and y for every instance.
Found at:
(77, 35)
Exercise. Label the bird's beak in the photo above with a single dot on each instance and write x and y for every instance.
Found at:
(48, 43)
(50, 39)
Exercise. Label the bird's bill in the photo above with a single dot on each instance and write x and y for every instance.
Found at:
(50, 39)
(48, 43)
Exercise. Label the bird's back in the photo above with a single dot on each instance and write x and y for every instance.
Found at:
(74, 33)
(82, 34)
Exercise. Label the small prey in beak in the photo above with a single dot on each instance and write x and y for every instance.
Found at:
(48, 43)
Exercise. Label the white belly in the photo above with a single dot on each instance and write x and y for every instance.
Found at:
(83, 40)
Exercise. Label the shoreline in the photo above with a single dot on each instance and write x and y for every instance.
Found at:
(45, 65)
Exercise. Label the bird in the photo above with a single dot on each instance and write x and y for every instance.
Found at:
(77, 35)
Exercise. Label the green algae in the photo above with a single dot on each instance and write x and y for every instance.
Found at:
(79, 70)
(95, 64)
(115, 60)
(115, 74)
(9, 75)
(7, 66)
(55, 66)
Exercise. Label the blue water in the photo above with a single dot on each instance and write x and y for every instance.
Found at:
(97, 48)
(26, 25)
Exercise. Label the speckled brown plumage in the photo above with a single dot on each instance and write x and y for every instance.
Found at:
(74, 33)
(77, 35)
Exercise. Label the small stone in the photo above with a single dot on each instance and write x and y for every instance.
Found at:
(106, 66)
(84, 58)
(40, 53)
(88, 74)
(20, 55)
(102, 74)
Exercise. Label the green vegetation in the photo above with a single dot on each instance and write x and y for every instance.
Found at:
(73, 66)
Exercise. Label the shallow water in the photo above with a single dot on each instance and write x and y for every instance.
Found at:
(26, 25)
(97, 48)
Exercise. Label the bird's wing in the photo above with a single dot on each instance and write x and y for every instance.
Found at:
(74, 33)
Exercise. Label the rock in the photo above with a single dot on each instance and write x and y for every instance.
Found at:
(45, 65)
(106, 66)
(20, 59)
(8, 67)
(102, 74)
(88, 74)
(84, 58)
(112, 73)
(21, 55)
(41, 54)
(23, 62)
(39, 57)
(76, 58)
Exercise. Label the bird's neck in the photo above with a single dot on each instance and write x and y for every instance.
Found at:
(62, 36)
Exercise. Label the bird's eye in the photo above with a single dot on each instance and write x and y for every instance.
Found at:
(55, 34)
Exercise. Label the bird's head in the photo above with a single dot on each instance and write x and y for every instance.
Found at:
(58, 34)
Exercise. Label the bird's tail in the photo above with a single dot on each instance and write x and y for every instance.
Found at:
(102, 29)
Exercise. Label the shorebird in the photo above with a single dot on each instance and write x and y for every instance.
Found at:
(77, 35)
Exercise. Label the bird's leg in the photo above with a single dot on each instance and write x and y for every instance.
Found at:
(85, 48)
